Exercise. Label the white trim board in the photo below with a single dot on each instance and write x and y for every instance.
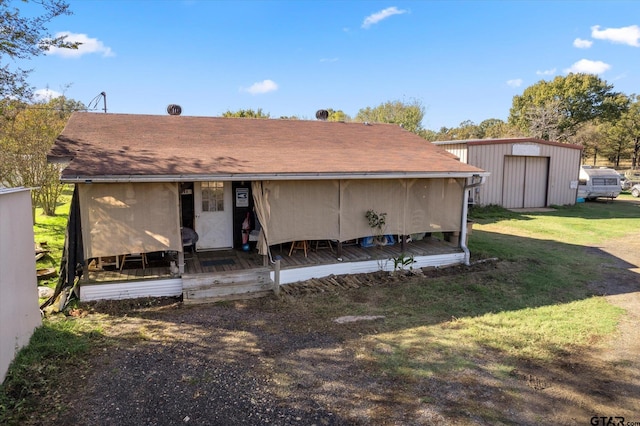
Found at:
(288, 276)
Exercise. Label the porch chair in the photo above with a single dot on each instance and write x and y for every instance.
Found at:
(302, 245)
(189, 240)
(134, 257)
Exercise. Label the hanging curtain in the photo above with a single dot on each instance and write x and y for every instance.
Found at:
(336, 209)
(433, 205)
(380, 195)
(261, 207)
(123, 218)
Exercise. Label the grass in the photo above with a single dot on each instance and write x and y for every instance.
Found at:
(582, 224)
(534, 306)
(56, 348)
(51, 229)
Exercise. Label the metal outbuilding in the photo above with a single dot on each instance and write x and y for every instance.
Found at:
(525, 172)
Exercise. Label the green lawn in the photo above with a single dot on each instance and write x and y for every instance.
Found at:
(51, 230)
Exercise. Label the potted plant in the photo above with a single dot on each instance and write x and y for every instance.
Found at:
(377, 222)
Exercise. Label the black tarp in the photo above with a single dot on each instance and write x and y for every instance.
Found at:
(72, 260)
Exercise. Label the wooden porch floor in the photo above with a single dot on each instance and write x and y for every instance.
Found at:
(210, 262)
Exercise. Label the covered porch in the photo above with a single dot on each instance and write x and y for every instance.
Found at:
(321, 260)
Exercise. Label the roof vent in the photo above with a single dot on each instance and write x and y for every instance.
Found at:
(322, 114)
(174, 109)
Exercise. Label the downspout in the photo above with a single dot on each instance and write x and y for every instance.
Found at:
(465, 210)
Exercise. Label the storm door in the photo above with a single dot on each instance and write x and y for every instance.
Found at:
(214, 215)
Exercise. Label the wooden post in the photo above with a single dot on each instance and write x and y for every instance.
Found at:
(276, 278)
(339, 250)
(181, 262)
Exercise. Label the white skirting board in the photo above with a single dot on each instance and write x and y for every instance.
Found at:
(171, 287)
(288, 276)
(131, 290)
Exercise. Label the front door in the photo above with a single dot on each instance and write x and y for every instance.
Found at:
(214, 215)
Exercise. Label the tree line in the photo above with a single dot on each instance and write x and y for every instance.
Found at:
(581, 109)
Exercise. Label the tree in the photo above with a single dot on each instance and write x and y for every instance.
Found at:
(592, 138)
(489, 128)
(545, 121)
(246, 113)
(571, 100)
(467, 130)
(624, 134)
(27, 133)
(338, 115)
(23, 38)
(408, 115)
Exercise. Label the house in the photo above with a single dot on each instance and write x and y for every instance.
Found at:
(177, 187)
(525, 172)
(19, 313)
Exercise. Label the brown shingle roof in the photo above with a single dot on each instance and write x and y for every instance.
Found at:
(139, 146)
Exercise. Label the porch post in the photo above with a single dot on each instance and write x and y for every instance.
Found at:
(181, 262)
(276, 278)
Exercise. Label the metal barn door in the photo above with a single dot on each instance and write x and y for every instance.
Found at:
(525, 181)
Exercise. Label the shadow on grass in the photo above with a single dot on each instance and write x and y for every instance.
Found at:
(621, 208)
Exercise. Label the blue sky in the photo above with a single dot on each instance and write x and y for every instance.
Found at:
(463, 60)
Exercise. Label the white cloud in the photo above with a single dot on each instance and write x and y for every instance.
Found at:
(589, 67)
(552, 71)
(625, 35)
(329, 60)
(582, 44)
(516, 82)
(88, 45)
(261, 87)
(45, 95)
(379, 16)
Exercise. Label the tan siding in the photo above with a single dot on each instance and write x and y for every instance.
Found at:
(536, 181)
(513, 182)
(19, 313)
(491, 159)
(563, 168)
(457, 149)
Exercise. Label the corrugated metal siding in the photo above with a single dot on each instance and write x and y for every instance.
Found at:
(536, 181)
(513, 184)
(491, 159)
(131, 290)
(457, 149)
(563, 168)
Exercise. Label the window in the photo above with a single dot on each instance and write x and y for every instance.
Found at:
(212, 196)
(605, 181)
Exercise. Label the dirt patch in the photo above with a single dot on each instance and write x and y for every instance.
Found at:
(276, 361)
